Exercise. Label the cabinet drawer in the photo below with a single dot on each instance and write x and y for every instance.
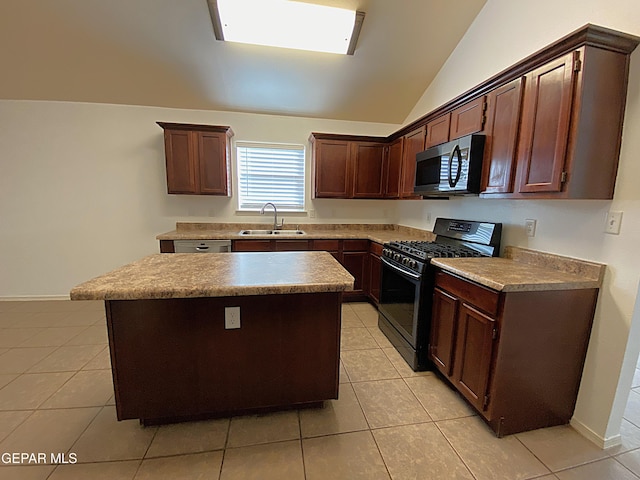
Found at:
(375, 248)
(252, 246)
(355, 246)
(481, 297)
(291, 245)
(326, 245)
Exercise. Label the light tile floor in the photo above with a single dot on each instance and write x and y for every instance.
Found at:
(56, 397)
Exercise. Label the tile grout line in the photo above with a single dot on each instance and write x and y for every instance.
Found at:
(454, 449)
(535, 456)
(624, 466)
(224, 447)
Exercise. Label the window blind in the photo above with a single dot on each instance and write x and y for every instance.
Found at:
(270, 173)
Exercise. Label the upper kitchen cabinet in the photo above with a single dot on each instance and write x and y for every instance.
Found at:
(414, 143)
(197, 158)
(344, 167)
(368, 169)
(331, 168)
(503, 116)
(553, 127)
(468, 119)
(437, 131)
(571, 125)
(544, 124)
(393, 154)
(566, 140)
(464, 120)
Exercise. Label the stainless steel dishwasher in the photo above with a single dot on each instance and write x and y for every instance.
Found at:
(201, 246)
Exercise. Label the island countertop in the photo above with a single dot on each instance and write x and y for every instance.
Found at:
(190, 275)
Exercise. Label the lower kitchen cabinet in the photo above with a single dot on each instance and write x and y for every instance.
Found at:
(374, 276)
(516, 357)
(355, 255)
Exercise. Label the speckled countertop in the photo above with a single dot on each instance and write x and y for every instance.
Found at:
(186, 275)
(522, 270)
(380, 233)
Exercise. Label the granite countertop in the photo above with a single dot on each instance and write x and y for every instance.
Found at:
(380, 233)
(185, 275)
(522, 270)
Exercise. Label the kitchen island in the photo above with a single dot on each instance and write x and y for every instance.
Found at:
(200, 335)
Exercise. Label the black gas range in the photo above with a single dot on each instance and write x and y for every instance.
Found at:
(406, 288)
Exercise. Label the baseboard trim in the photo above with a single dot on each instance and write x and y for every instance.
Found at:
(590, 435)
(29, 298)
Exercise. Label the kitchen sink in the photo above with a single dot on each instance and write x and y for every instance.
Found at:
(271, 232)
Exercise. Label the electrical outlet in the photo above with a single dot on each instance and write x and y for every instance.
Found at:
(614, 219)
(231, 317)
(312, 214)
(530, 227)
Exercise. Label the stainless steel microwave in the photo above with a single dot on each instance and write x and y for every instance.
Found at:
(452, 168)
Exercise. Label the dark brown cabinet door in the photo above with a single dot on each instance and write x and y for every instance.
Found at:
(356, 263)
(368, 170)
(374, 277)
(467, 119)
(413, 144)
(197, 158)
(181, 162)
(443, 330)
(332, 169)
(394, 168)
(474, 349)
(438, 131)
(503, 114)
(544, 134)
(212, 157)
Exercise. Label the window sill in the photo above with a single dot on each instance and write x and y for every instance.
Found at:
(281, 213)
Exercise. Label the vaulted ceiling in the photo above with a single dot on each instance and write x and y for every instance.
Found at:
(164, 53)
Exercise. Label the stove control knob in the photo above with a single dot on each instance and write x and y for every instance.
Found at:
(396, 256)
(413, 264)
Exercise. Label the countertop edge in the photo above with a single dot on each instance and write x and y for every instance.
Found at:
(219, 292)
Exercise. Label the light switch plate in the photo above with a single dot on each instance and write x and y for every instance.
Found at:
(231, 317)
(614, 220)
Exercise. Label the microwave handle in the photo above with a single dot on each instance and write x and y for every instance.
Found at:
(457, 154)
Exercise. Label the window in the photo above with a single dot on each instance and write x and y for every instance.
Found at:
(270, 173)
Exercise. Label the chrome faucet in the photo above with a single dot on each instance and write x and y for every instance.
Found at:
(276, 225)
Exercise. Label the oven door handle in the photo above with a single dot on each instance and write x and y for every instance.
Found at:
(403, 271)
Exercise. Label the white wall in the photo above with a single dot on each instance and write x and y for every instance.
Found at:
(83, 190)
(503, 33)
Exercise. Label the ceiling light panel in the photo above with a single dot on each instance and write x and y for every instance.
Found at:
(287, 24)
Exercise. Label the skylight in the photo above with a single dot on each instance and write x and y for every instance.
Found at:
(286, 24)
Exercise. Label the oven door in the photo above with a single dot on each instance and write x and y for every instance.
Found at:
(400, 292)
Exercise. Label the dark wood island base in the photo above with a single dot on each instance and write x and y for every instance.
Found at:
(173, 360)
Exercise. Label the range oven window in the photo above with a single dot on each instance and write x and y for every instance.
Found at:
(399, 299)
